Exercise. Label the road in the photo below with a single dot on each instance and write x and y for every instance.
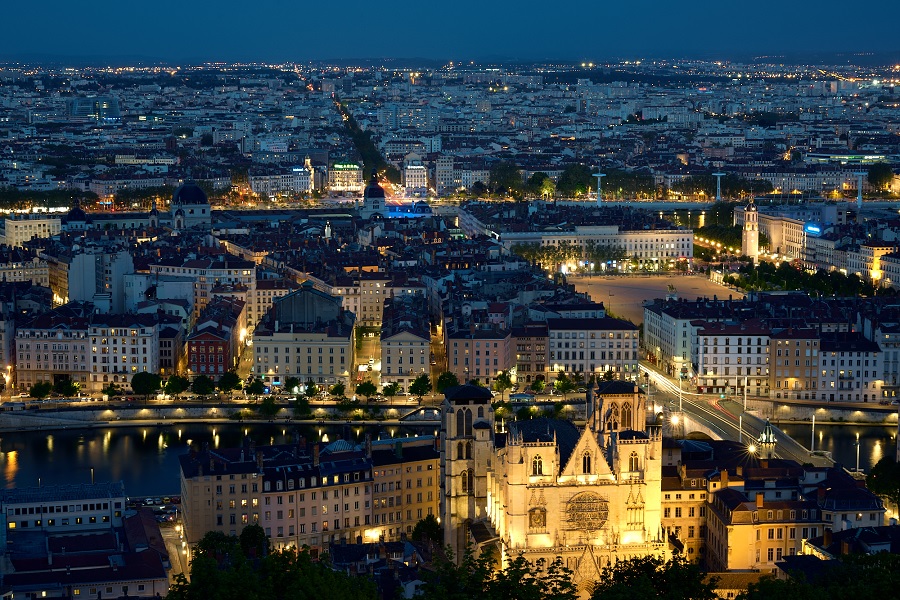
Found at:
(724, 417)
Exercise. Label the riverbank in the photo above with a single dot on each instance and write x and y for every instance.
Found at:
(109, 415)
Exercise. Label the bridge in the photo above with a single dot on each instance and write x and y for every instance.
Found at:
(689, 412)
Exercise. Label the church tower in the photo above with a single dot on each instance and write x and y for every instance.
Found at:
(750, 235)
(467, 444)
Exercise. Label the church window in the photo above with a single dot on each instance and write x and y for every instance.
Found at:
(468, 422)
(586, 463)
(633, 462)
(626, 416)
(467, 482)
(459, 450)
(460, 423)
(480, 412)
(469, 450)
(537, 465)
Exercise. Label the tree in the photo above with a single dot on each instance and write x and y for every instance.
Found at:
(311, 390)
(229, 381)
(268, 407)
(538, 385)
(390, 390)
(40, 390)
(428, 529)
(256, 387)
(144, 383)
(203, 385)
(884, 480)
(575, 180)
(111, 390)
(651, 577)
(66, 387)
(880, 176)
(338, 390)
(502, 382)
(366, 388)
(420, 386)
(446, 380)
(176, 384)
(564, 385)
(506, 179)
(291, 384)
(246, 568)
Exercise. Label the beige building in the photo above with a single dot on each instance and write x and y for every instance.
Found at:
(405, 340)
(209, 274)
(407, 479)
(545, 488)
(306, 334)
(16, 230)
(345, 177)
(794, 372)
(18, 266)
(479, 353)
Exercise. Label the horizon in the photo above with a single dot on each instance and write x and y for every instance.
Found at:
(466, 31)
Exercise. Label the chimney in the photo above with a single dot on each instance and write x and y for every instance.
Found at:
(724, 474)
(259, 460)
(760, 500)
(316, 455)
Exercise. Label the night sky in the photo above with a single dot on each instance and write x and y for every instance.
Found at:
(300, 30)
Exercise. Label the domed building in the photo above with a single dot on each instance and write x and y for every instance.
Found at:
(190, 207)
(373, 200)
(76, 219)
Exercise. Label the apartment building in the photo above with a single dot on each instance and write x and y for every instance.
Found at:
(794, 369)
(216, 342)
(732, 359)
(209, 273)
(479, 353)
(406, 482)
(345, 177)
(55, 346)
(306, 334)
(593, 346)
(531, 352)
(851, 368)
(405, 340)
(18, 229)
(121, 346)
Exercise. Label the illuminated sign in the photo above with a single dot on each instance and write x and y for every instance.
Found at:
(812, 229)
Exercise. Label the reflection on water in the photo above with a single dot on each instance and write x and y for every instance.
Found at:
(840, 440)
(146, 459)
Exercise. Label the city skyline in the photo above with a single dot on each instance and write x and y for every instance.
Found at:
(467, 31)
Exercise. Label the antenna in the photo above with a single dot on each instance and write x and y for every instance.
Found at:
(599, 177)
(718, 177)
(859, 190)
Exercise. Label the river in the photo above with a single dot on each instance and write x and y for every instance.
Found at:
(146, 458)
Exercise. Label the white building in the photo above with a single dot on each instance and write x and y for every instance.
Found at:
(730, 358)
(851, 369)
(593, 346)
(14, 231)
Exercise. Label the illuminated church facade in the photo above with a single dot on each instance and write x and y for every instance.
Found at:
(545, 488)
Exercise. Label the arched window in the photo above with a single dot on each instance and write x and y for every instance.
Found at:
(480, 412)
(626, 416)
(468, 484)
(460, 423)
(586, 463)
(468, 450)
(537, 465)
(459, 450)
(633, 464)
(468, 422)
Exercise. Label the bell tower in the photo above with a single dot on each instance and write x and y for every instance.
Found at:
(467, 435)
(750, 235)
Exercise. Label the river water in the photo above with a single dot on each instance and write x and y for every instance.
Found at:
(146, 458)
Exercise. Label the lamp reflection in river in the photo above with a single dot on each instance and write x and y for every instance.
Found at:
(10, 467)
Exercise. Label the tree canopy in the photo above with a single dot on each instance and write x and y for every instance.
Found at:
(884, 480)
(41, 389)
(880, 175)
(229, 381)
(245, 568)
(366, 388)
(445, 380)
(420, 386)
(176, 384)
(506, 179)
(202, 385)
(652, 578)
(144, 383)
